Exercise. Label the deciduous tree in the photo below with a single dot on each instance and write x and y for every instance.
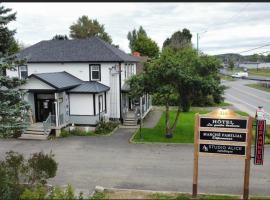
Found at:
(86, 28)
(180, 72)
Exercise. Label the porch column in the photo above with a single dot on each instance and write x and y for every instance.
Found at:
(56, 110)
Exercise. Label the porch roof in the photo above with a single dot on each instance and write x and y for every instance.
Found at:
(90, 87)
(58, 80)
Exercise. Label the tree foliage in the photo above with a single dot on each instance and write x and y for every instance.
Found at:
(13, 110)
(8, 44)
(179, 39)
(139, 41)
(60, 37)
(86, 28)
(181, 72)
(18, 174)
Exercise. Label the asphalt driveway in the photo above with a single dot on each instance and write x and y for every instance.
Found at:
(112, 161)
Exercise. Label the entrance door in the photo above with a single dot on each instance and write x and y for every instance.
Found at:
(44, 108)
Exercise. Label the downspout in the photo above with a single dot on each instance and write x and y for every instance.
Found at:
(121, 119)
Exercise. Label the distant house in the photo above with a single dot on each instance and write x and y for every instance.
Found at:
(77, 81)
(254, 65)
(142, 59)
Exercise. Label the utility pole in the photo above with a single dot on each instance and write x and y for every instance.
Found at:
(198, 43)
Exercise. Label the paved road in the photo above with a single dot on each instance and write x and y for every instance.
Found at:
(111, 161)
(246, 98)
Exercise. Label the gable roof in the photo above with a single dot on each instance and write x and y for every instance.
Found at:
(79, 50)
(90, 87)
(58, 80)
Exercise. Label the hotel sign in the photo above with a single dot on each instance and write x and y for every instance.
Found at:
(223, 123)
(224, 133)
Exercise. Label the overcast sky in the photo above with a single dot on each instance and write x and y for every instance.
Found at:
(231, 27)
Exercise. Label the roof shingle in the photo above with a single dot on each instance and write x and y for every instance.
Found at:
(79, 50)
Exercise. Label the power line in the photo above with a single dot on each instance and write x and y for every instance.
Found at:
(266, 45)
(228, 20)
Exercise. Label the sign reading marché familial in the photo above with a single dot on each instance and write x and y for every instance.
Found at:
(224, 133)
(223, 136)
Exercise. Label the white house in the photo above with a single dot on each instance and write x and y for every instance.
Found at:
(77, 82)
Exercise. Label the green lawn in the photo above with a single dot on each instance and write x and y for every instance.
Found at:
(184, 132)
(260, 72)
(258, 86)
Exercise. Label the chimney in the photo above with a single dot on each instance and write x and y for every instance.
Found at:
(136, 53)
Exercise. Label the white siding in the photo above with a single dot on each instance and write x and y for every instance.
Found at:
(81, 104)
(34, 83)
(81, 70)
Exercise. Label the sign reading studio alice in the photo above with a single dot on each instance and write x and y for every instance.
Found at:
(222, 133)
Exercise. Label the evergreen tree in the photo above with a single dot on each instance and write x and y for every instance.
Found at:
(60, 37)
(13, 110)
(139, 41)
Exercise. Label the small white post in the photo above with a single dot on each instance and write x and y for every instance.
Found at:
(56, 110)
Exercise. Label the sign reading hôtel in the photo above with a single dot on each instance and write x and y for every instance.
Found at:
(223, 123)
(223, 133)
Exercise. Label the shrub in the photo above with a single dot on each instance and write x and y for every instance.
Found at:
(104, 127)
(16, 173)
(64, 133)
(41, 167)
(76, 132)
(39, 192)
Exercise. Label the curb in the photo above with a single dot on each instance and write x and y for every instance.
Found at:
(163, 192)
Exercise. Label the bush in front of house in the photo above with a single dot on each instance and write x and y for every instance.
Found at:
(18, 174)
(75, 132)
(104, 127)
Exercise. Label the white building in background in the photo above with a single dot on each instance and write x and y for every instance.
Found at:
(254, 65)
(77, 81)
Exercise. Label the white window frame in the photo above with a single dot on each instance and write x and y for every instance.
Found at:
(24, 70)
(91, 70)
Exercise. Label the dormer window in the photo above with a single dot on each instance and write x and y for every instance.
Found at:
(23, 71)
(95, 74)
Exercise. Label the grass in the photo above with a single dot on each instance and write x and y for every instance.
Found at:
(260, 72)
(161, 196)
(227, 78)
(258, 86)
(184, 132)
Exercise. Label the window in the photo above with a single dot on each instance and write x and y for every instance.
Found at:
(100, 103)
(95, 73)
(125, 71)
(23, 71)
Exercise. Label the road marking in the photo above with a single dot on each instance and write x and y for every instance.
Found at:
(267, 101)
(246, 103)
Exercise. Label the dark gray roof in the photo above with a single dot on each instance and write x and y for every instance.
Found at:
(90, 87)
(58, 80)
(78, 50)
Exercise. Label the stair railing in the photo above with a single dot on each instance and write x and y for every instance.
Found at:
(47, 124)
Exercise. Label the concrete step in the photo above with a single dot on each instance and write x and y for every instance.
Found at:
(130, 124)
(34, 132)
(33, 137)
(123, 126)
(35, 129)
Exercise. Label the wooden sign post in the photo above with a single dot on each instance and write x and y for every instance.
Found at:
(222, 133)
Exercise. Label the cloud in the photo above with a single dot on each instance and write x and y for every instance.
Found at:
(231, 27)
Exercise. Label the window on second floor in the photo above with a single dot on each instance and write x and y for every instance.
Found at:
(23, 71)
(95, 72)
